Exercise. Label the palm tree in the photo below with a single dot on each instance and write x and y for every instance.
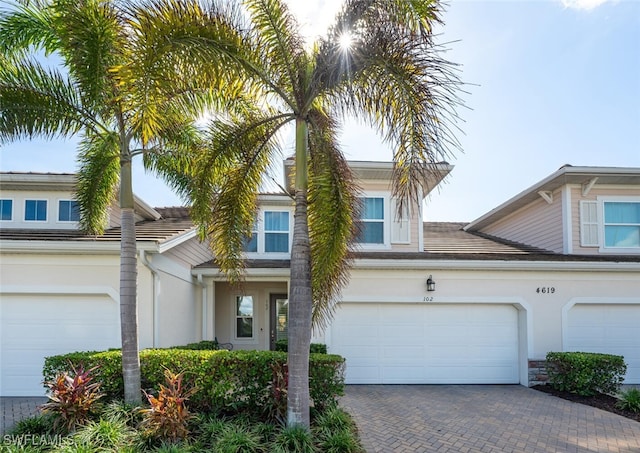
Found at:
(391, 73)
(125, 90)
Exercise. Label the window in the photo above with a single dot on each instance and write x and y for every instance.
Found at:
(276, 231)
(68, 211)
(244, 316)
(270, 234)
(371, 221)
(622, 224)
(35, 210)
(251, 242)
(6, 209)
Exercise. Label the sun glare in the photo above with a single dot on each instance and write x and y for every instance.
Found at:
(345, 41)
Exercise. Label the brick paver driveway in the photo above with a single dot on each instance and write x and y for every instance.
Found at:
(482, 419)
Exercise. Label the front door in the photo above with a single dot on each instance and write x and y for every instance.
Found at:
(279, 319)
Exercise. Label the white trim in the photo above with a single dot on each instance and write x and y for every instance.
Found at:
(260, 232)
(24, 212)
(65, 223)
(70, 247)
(62, 290)
(590, 301)
(482, 265)
(13, 203)
(173, 242)
(587, 186)
(386, 222)
(567, 221)
(254, 319)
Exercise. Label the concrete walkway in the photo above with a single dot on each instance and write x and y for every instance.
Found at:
(482, 419)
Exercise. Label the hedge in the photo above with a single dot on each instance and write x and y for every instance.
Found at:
(225, 381)
(586, 373)
(314, 348)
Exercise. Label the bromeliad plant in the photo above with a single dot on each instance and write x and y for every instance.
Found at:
(73, 398)
(168, 416)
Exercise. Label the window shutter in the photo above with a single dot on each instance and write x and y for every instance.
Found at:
(399, 225)
(589, 224)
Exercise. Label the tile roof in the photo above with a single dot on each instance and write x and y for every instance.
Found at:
(174, 222)
(450, 238)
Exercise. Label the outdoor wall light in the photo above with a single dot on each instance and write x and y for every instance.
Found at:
(431, 284)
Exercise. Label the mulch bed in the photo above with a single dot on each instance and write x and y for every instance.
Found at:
(601, 401)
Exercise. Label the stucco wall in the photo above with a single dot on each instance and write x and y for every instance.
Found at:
(541, 311)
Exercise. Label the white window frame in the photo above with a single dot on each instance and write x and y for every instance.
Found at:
(235, 317)
(13, 215)
(400, 225)
(386, 223)
(259, 229)
(66, 222)
(46, 210)
(613, 199)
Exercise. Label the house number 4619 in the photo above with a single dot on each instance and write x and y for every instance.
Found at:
(545, 290)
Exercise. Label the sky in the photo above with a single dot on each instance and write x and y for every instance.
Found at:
(548, 83)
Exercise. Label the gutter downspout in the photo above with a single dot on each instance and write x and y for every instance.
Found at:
(203, 286)
(155, 295)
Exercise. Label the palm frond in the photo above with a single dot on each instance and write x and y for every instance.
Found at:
(403, 86)
(280, 49)
(98, 178)
(332, 207)
(92, 36)
(35, 101)
(182, 58)
(227, 176)
(25, 28)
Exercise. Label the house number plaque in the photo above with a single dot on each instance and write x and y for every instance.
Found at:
(545, 290)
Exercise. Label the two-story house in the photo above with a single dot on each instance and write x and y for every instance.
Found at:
(555, 268)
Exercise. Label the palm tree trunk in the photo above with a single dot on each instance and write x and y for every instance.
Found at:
(300, 296)
(128, 290)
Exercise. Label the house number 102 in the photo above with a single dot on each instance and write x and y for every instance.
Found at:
(545, 290)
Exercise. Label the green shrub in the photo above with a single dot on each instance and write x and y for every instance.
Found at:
(629, 400)
(41, 425)
(586, 373)
(226, 382)
(295, 439)
(314, 348)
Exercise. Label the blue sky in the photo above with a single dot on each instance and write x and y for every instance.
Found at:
(550, 83)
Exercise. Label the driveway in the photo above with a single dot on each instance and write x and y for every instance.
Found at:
(482, 419)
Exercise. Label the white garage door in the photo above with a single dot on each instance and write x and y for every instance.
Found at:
(392, 343)
(609, 329)
(37, 326)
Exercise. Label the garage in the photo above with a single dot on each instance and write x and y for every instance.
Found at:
(37, 326)
(395, 343)
(609, 329)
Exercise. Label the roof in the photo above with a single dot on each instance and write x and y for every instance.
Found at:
(175, 222)
(450, 241)
(568, 174)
